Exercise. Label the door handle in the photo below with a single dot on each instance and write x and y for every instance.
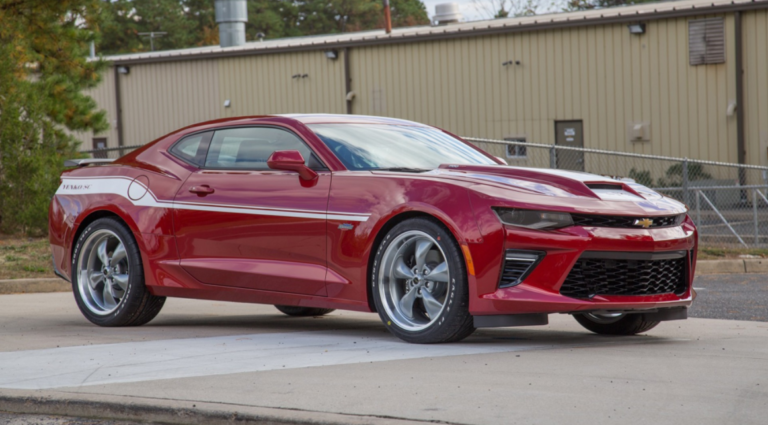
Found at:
(202, 190)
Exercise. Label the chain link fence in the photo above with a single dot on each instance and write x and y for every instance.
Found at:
(728, 202)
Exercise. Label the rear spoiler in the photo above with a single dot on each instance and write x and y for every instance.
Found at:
(85, 162)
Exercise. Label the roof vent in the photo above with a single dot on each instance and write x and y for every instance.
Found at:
(231, 15)
(447, 13)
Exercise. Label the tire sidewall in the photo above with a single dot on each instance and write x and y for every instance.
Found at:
(123, 314)
(456, 299)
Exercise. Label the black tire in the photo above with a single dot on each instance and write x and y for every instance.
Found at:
(454, 322)
(303, 311)
(628, 324)
(136, 306)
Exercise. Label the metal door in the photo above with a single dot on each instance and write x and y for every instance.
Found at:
(570, 134)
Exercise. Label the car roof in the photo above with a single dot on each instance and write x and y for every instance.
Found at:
(348, 119)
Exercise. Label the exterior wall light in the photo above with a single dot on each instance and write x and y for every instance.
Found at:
(332, 54)
(638, 28)
(123, 69)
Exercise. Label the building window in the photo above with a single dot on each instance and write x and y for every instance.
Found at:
(706, 41)
(516, 151)
(99, 143)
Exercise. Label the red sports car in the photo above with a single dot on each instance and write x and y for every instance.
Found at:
(319, 212)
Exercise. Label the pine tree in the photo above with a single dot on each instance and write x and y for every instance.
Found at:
(43, 73)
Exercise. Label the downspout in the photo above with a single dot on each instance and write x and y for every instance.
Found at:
(348, 81)
(119, 109)
(740, 142)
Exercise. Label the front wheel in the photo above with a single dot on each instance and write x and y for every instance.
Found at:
(615, 323)
(419, 284)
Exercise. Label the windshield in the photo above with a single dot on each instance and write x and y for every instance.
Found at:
(395, 147)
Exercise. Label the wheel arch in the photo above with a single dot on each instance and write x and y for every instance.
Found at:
(388, 225)
(90, 218)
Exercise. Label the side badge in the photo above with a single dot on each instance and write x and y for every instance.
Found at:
(345, 226)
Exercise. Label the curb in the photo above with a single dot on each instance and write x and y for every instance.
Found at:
(705, 267)
(171, 412)
(30, 286)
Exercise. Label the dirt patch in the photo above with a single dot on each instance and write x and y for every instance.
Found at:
(22, 257)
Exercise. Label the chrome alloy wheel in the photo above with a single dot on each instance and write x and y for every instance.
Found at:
(413, 280)
(103, 271)
(605, 318)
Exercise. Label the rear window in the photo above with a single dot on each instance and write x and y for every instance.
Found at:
(192, 148)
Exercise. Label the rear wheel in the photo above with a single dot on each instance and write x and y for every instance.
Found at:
(108, 277)
(303, 311)
(419, 284)
(615, 323)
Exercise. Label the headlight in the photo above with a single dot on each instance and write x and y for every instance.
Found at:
(539, 220)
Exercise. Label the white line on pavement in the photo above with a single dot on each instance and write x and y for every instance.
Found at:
(183, 358)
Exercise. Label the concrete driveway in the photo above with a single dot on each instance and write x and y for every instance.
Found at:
(214, 362)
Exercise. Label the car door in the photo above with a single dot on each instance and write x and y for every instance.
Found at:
(239, 223)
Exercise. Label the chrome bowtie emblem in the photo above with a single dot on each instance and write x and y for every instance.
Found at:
(644, 223)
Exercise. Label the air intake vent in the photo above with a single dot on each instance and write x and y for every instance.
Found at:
(627, 274)
(619, 221)
(518, 265)
(706, 41)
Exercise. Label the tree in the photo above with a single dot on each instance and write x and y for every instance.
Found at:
(494, 9)
(43, 72)
(192, 23)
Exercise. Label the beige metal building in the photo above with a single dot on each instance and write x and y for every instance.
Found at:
(686, 78)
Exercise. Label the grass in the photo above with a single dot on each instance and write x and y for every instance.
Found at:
(707, 253)
(22, 257)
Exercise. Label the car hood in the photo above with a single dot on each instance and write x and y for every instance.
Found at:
(570, 190)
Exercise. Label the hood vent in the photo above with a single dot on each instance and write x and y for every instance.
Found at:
(605, 186)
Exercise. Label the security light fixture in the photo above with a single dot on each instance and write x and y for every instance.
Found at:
(123, 69)
(332, 54)
(638, 28)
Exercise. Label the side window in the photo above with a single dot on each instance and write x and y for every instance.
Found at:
(192, 148)
(250, 147)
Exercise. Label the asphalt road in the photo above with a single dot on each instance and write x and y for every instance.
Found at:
(732, 297)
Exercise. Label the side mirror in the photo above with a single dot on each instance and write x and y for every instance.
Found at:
(291, 161)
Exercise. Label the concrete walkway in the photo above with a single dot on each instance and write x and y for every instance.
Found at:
(210, 362)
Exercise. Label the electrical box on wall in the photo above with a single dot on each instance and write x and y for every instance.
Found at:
(639, 132)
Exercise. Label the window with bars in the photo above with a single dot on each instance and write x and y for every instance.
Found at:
(516, 151)
(706, 41)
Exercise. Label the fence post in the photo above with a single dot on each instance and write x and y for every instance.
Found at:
(552, 157)
(698, 208)
(754, 216)
(686, 197)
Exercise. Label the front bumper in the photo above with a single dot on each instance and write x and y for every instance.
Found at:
(540, 290)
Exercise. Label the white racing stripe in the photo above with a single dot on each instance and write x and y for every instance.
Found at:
(118, 185)
(185, 358)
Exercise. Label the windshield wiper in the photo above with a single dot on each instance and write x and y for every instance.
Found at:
(403, 169)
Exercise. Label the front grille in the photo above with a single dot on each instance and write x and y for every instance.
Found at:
(607, 273)
(589, 220)
(517, 266)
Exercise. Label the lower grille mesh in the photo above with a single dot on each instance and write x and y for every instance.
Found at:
(595, 276)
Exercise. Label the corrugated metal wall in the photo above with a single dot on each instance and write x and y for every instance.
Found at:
(163, 97)
(282, 83)
(602, 75)
(104, 95)
(755, 36)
